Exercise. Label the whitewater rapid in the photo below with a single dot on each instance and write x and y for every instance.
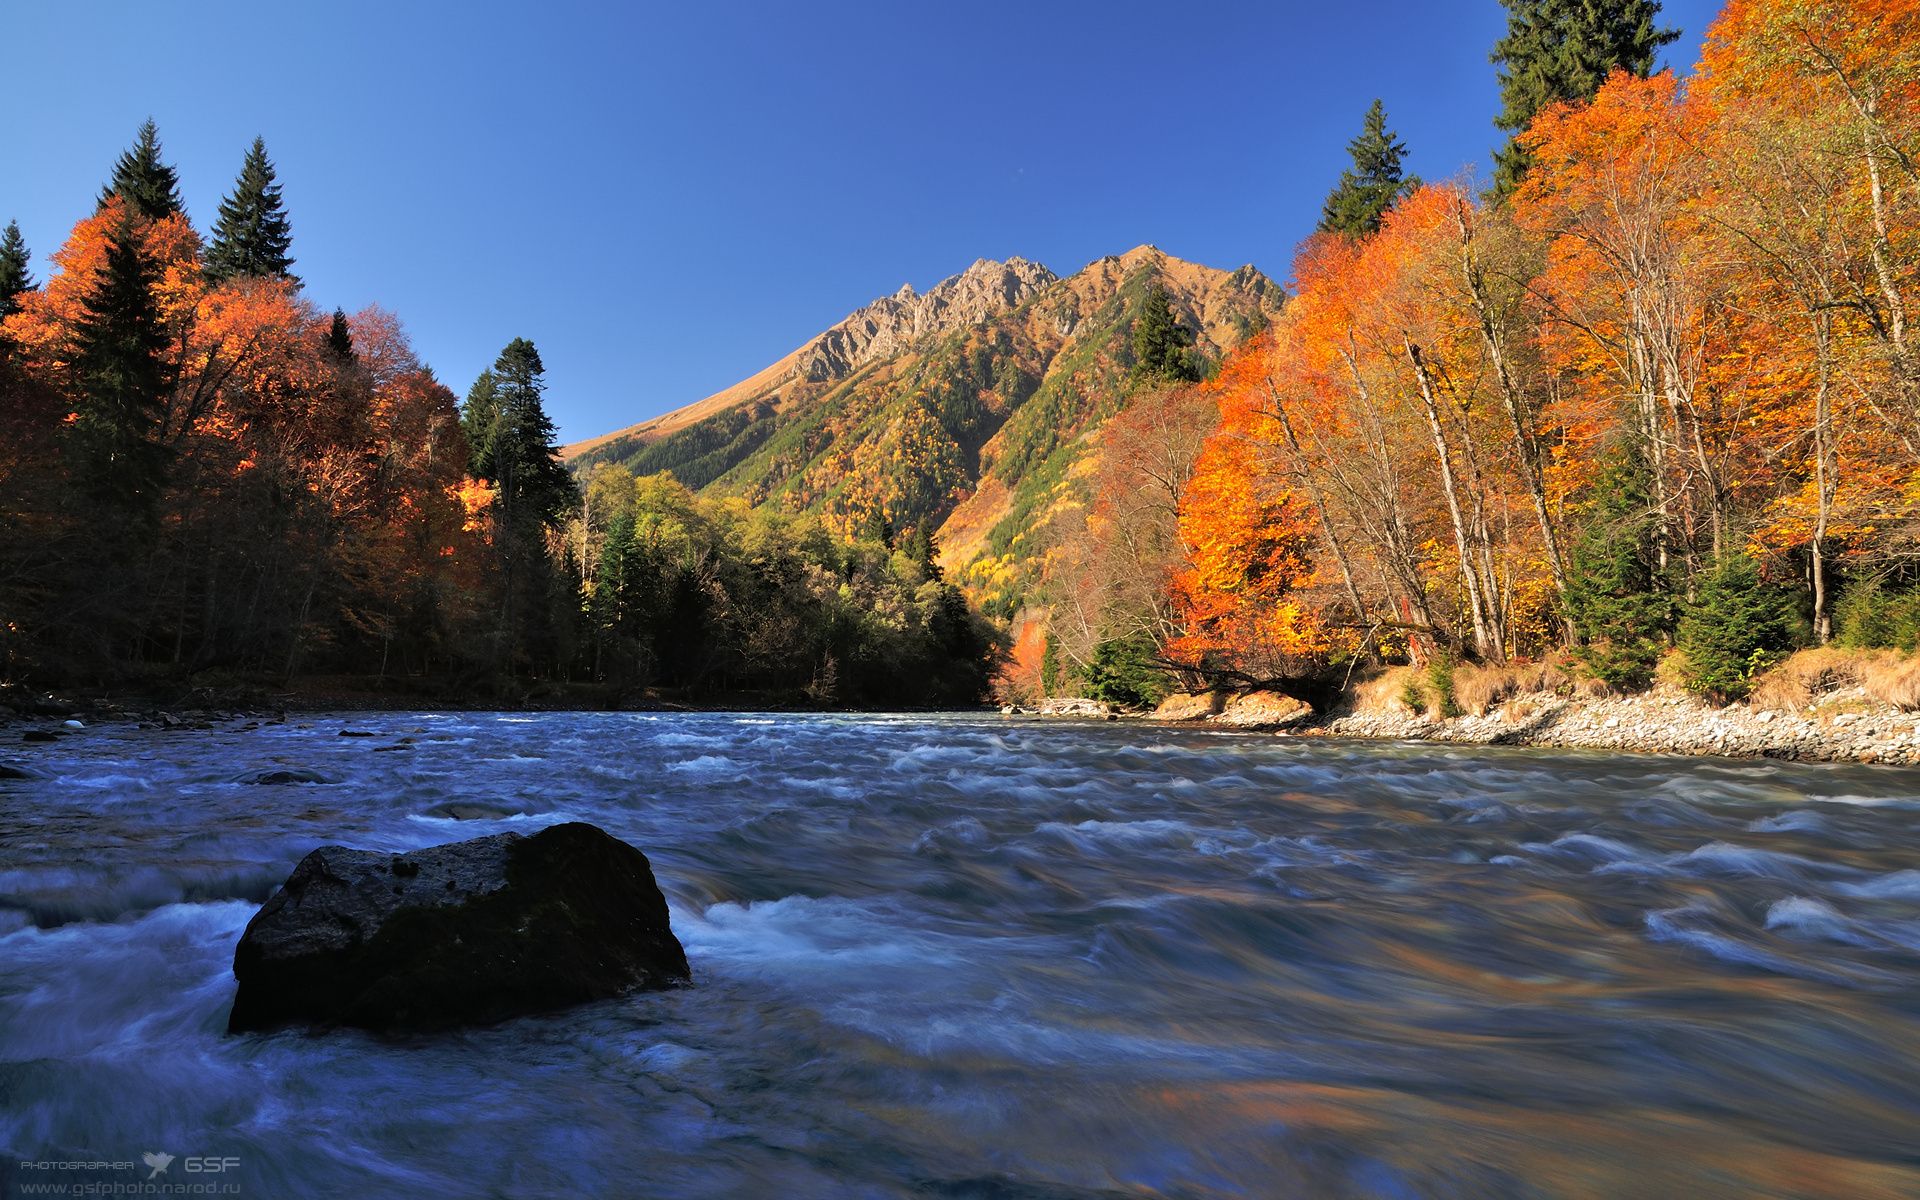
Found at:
(972, 957)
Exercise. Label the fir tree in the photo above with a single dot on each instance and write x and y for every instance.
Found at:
(1160, 342)
(1561, 51)
(252, 236)
(1375, 184)
(14, 274)
(1125, 671)
(1620, 604)
(122, 381)
(150, 186)
(518, 452)
(340, 339)
(1731, 630)
(920, 547)
(478, 416)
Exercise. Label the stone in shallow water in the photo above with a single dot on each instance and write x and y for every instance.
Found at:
(464, 934)
(274, 775)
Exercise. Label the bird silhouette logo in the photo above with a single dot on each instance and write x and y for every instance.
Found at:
(158, 1161)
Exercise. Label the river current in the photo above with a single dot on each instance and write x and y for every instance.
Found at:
(983, 958)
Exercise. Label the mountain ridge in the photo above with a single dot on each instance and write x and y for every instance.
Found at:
(970, 410)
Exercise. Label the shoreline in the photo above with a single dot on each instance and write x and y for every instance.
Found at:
(1841, 728)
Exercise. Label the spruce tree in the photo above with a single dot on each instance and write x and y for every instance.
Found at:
(252, 236)
(519, 453)
(150, 186)
(1375, 184)
(15, 276)
(1561, 51)
(340, 339)
(1160, 342)
(121, 373)
(1619, 601)
(478, 415)
(1731, 630)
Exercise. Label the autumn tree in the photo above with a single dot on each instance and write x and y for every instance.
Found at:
(1561, 51)
(150, 187)
(1375, 183)
(253, 236)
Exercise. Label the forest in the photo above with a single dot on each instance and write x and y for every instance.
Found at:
(207, 479)
(1645, 406)
(1642, 405)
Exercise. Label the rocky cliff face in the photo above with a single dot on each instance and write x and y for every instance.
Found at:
(893, 324)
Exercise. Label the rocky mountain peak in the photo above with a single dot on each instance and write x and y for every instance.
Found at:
(895, 323)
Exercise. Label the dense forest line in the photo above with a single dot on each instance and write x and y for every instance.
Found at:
(206, 478)
(1656, 389)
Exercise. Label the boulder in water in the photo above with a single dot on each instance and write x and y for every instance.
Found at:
(463, 934)
(277, 775)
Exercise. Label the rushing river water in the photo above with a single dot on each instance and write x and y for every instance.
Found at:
(968, 957)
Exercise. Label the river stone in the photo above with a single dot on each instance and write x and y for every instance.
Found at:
(463, 934)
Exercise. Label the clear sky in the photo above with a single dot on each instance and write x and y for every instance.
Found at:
(665, 198)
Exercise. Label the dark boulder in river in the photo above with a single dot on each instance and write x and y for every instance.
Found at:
(464, 934)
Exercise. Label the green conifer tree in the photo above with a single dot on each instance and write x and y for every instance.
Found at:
(252, 236)
(121, 373)
(1561, 51)
(1733, 629)
(340, 339)
(519, 452)
(1160, 343)
(1621, 606)
(15, 269)
(478, 415)
(1375, 184)
(150, 186)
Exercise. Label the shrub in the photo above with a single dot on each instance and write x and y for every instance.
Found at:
(1440, 679)
(1734, 629)
(1413, 697)
(1616, 594)
(1124, 671)
(1871, 616)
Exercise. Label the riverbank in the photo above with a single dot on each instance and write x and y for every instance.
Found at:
(1819, 706)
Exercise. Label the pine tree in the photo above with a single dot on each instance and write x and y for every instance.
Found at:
(340, 339)
(1375, 184)
(1619, 602)
(1731, 630)
(15, 276)
(122, 381)
(1561, 51)
(1160, 342)
(252, 236)
(149, 185)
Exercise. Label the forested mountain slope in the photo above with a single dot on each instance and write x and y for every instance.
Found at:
(965, 409)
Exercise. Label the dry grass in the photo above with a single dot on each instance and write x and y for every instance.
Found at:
(1381, 693)
(1480, 689)
(1804, 677)
(1477, 689)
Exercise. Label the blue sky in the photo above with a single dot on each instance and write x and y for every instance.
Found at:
(666, 198)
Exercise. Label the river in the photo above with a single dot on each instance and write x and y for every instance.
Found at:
(981, 958)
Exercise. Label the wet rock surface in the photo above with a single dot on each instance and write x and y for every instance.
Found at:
(469, 933)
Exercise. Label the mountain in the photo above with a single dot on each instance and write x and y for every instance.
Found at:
(969, 408)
